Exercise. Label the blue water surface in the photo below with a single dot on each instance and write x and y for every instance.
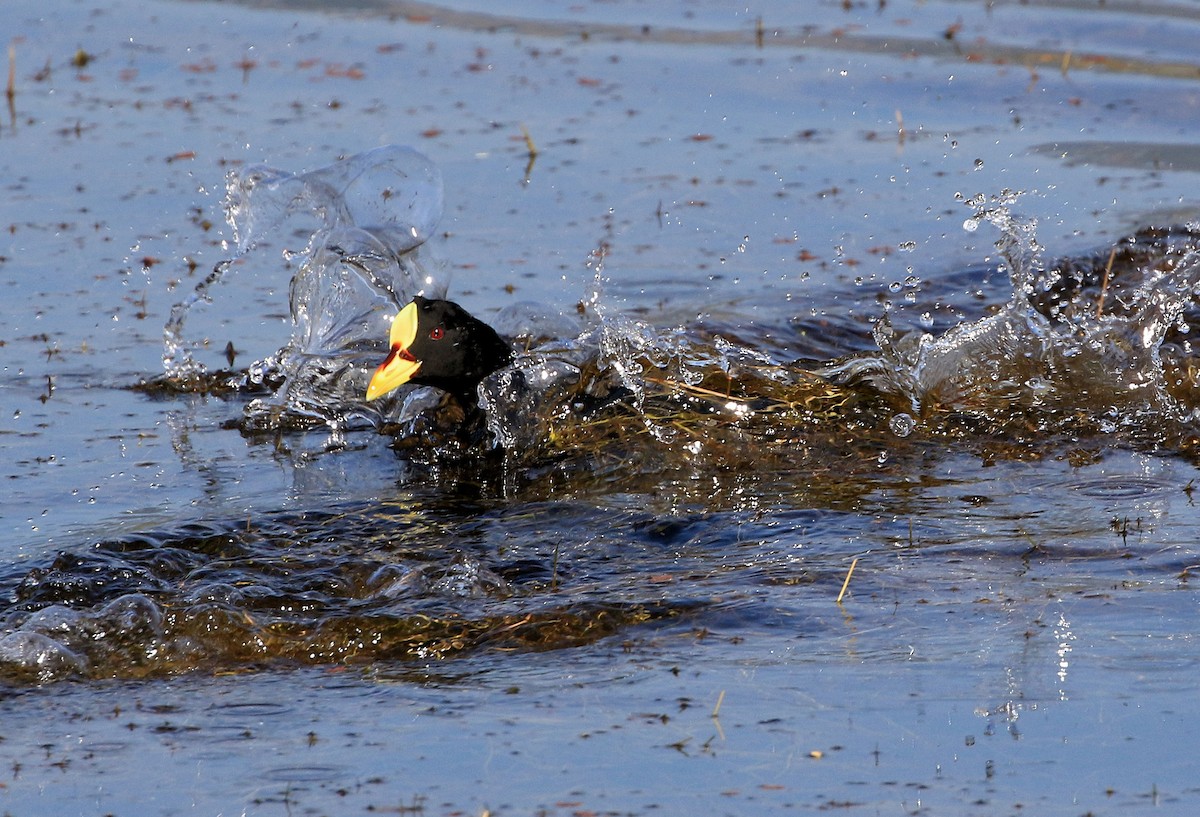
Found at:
(1018, 636)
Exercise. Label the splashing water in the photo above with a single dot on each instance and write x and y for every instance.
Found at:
(1080, 341)
(612, 358)
(366, 216)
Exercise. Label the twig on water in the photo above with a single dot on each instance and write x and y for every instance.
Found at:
(716, 719)
(716, 713)
(846, 583)
(11, 90)
(529, 145)
(531, 152)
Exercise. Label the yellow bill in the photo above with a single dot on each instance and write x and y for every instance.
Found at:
(400, 366)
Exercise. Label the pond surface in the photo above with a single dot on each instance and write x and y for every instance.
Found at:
(858, 574)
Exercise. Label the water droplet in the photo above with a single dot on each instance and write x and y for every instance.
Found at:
(907, 246)
(971, 225)
(902, 425)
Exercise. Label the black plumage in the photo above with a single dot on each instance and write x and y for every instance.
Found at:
(438, 343)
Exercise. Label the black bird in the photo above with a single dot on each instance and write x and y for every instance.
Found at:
(438, 343)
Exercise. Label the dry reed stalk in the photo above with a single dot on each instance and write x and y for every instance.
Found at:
(846, 583)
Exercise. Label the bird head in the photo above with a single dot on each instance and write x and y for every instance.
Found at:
(438, 343)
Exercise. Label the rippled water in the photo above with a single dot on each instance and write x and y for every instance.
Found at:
(798, 494)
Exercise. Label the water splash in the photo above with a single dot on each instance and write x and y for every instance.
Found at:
(393, 193)
(612, 357)
(366, 218)
(1080, 341)
(59, 641)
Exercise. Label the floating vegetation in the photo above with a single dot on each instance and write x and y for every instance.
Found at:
(714, 418)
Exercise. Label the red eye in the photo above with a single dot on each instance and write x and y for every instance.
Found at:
(436, 333)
